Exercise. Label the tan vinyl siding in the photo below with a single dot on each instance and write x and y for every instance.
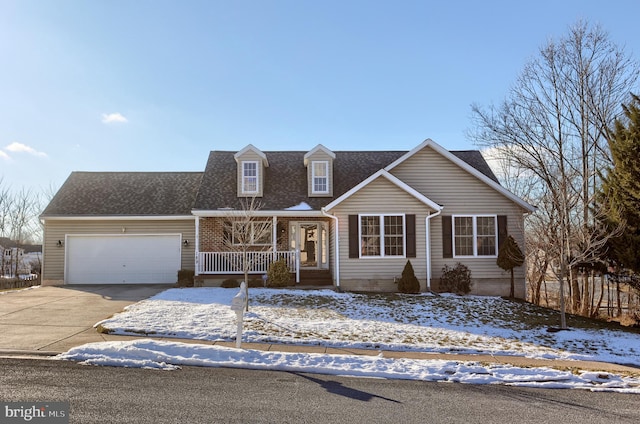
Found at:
(54, 230)
(377, 274)
(463, 194)
(250, 156)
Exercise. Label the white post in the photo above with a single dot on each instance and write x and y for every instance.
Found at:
(239, 315)
(238, 305)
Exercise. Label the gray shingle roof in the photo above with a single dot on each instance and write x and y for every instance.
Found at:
(285, 180)
(476, 160)
(177, 193)
(125, 193)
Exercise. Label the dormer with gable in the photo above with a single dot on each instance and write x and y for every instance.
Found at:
(319, 163)
(251, 163)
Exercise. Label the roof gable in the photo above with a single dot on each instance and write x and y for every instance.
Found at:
(318, 148)
(255, 150)
(471, 163)
(391, 178)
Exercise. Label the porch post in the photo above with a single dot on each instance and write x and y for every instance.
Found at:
(297, 265)
(274, 234)
(197, 249)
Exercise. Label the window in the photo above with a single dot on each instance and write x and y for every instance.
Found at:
(254, 232)
(250, 177)
(320, 177)
(382, 235)
(475, 235)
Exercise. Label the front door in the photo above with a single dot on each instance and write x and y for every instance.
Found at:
(312, 241)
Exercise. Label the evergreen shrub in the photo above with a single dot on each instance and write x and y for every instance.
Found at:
(456, 279)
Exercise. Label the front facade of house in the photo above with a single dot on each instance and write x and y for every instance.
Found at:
(352, 218)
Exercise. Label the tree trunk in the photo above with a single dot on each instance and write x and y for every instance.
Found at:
(587, 301)
(512, 291)
(576, 304)
(619, 300)
(596, 311)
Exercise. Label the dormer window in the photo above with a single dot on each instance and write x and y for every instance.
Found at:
(319, 163)
(251, 165)
(250, 184)
(320, 177)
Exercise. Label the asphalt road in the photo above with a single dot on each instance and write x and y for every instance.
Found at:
(219, 395)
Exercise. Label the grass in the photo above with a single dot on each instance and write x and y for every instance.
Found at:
(523, 315)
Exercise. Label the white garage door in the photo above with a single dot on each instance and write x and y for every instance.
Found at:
(130, 259)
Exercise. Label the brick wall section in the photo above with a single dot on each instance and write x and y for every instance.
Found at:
(211, 235)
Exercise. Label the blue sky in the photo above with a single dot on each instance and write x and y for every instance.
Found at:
(155, 85)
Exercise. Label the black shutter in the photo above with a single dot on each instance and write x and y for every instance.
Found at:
(447, 237)
(354, 244)
(502, 230)
(410, 227)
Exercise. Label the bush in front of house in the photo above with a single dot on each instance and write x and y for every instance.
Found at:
(456, 279)
(255, 283)
(408, 283)
(185, 277)
(230, 283)
(278, 274)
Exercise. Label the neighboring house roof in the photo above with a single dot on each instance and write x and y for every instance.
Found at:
(6, 243)
(285, 180)
(125, 193)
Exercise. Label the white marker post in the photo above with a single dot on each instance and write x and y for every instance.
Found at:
(237, 305)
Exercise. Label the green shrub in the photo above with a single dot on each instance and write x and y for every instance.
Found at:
(278, 274)
(185, 277)
(408, 283)
(456, 279)
(230, 283)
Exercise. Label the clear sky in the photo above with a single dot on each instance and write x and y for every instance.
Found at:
(155, 85)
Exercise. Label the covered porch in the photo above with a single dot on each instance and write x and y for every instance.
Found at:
(302, 241)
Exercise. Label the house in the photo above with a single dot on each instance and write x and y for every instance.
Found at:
(354, 216)
(13, 262)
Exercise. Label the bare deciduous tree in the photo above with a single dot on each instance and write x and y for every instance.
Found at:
(552, 130)
(245, 233)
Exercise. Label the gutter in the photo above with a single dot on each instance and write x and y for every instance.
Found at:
(336, 242)
(428, 245)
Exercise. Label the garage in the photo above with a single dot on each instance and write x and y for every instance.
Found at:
(122, 259)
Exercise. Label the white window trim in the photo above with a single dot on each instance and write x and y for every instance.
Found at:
(475, 235)
(382, 235)
(252, 242)
(313, 176)
(257, 177)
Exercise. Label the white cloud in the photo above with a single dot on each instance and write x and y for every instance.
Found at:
(16, 147)
(110, 118)
(4, 156)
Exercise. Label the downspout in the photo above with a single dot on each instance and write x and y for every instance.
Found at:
(428, 245)
(336, 241)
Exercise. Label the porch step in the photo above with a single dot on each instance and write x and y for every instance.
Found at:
(316, 277)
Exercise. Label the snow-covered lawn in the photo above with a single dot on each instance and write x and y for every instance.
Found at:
(424, 323)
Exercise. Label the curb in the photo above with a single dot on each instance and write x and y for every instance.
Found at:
(30, 353)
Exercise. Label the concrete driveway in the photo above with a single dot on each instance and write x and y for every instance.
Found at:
(53, 319)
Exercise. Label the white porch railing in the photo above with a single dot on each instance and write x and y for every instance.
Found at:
(232, 262)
